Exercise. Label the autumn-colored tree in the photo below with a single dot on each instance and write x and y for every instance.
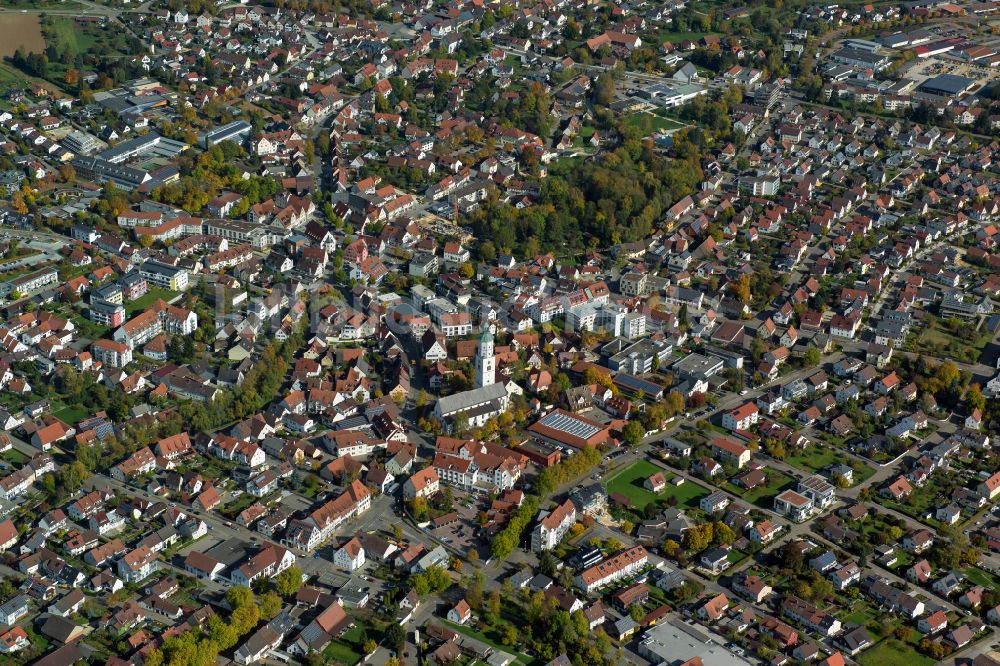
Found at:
(699, 537)
(740, 289)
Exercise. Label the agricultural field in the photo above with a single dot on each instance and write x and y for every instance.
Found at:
(19, 31)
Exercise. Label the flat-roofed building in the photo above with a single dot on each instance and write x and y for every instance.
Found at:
(236, 131)
(81, 143)
(677, 642)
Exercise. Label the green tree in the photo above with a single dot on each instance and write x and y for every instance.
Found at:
(239, 596)
(636, 612)
(633, 432)
(722, 533)
(812, 357)
(270, 605)
(395, 636)
(245, 618)
(288, 581)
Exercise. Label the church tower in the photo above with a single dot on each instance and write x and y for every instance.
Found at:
(486, 362)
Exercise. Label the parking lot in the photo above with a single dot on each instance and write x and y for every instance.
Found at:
(921, 69)
(461, 534)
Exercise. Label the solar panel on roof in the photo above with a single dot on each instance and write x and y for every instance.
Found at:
(569, 425)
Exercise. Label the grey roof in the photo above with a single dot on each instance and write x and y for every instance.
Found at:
(460, 402)
(947, 84)
(676, 641)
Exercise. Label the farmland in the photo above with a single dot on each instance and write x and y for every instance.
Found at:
(20, 31)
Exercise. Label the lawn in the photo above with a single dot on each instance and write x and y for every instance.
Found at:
(242, 502)
(861, 616)
(813, 458)
(978, 576)
(629, 481)
(478, 635)
(818, 458)
(144, 301)
(762, 495)
(942, 343)
(342, 653)
(677, 37)
(893, 652)
(649, 123)
(904, 560)
(71, 414)
(8, 76)
(87, 328)
(737, 556)
(66, 33)
(14, 457)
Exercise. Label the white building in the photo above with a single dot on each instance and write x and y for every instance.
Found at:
(623, 565)
(350, 556)
(486, 363)
(552, 526)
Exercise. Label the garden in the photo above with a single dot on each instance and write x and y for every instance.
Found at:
(629, 482)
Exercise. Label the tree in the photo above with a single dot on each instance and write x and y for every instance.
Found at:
(270, 605)
(245, 618)
(222, 634)
(153, 658)
(288, 581)
(395, 636)
(633, 432)
(722, 533)
(369, 646)
(419, 509)
(699, 537)
(636, 612)
(812, 357)
(604, 90)
(975, 399)
(239, 596)
(740, 289)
